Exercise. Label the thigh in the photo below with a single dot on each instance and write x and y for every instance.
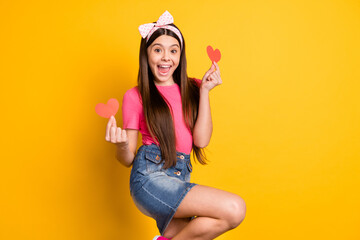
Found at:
(206, 201)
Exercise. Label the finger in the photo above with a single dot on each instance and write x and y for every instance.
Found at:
(217, 67)
(211, 78)
(206, 76)
(213, 67)
(113, 121)
(108, 126)
(113, 134)
(214, 77)
(217, 74)
(118, 134)
(123, 136)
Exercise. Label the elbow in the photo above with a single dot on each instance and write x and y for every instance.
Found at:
(128, 165)
(201, 144)
(125, 163)
(201, 140)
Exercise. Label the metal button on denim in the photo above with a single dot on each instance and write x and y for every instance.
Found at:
(182, 157)
(178, 173)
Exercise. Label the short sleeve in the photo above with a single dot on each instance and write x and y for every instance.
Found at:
(197, 81)
(131, 109)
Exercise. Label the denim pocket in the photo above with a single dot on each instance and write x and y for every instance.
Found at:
(153, 162)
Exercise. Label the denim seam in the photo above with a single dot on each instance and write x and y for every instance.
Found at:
(157, 198)
(184, 193)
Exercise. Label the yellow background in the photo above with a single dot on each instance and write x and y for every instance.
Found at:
(286, 119)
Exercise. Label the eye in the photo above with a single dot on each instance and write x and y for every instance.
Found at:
(157, 50)
(174, 51)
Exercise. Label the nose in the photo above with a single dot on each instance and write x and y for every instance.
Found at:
(165, 56)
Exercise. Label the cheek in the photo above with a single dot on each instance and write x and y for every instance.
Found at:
(152, 58)
(151, 62)
(177, 61)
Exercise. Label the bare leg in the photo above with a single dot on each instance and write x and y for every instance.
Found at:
(175, 226)
(218, 211)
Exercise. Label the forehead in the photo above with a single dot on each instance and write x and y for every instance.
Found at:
(166, 41)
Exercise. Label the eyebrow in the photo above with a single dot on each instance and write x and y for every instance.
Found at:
(176, 45)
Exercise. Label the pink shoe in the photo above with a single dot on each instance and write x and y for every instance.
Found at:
(160, 238)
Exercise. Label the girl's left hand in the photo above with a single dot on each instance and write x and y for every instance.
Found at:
(211, 78)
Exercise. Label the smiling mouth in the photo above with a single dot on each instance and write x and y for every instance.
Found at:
(163, 69)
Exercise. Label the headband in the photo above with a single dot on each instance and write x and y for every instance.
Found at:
(146, 30)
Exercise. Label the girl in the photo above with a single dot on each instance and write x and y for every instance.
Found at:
(172, 112)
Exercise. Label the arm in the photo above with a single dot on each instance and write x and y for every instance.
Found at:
(125, 153)
(203, 126)
(125, 141)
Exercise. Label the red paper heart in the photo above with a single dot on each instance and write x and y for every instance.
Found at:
(108, 109)
(214, 56)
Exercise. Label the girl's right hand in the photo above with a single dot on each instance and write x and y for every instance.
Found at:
(115, 135)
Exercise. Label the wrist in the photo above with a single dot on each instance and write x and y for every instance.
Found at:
(204, 90)
(123, 146)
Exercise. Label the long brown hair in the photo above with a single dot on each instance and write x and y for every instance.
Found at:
(156, 110)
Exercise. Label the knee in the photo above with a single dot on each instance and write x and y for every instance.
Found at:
(236, 210)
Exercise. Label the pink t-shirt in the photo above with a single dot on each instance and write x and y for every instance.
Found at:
(133, 116)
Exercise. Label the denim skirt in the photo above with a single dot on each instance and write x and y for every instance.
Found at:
(158, 192)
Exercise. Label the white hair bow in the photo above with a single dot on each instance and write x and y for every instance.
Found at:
(146, 30)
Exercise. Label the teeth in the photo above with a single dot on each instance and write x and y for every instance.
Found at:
(162, 66)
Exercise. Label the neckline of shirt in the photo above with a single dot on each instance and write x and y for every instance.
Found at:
(167, 86)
